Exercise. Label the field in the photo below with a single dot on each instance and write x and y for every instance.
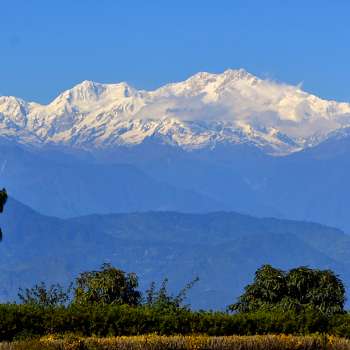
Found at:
(200, 342)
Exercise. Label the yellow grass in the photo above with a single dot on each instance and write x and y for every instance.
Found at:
(200, 342)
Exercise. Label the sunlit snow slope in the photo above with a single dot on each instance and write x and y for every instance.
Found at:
(206, 109)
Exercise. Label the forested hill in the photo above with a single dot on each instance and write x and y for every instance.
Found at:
(223, 249)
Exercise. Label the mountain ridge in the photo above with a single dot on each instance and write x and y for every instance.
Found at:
(203, 111)
(223, 249)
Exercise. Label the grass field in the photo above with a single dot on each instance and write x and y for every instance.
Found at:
(200, 342)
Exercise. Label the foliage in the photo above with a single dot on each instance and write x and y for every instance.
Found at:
(300, 288)
(3, 200)
(44, 296)
(163, 299)
(319, 288)
(107, 303)
(107, 286)
(27, 321)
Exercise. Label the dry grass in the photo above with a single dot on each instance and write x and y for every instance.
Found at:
(200, 342)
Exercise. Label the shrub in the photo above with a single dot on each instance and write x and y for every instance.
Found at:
(26, 321)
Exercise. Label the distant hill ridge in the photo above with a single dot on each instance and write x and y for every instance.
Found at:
(222, 248)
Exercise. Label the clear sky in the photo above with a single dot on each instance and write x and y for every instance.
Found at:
(47, 46)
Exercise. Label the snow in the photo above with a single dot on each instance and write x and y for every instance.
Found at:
(202, 111)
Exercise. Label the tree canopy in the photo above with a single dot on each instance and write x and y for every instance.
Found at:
(298, 288)
(107, 286)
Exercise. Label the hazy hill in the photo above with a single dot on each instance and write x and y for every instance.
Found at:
(62, 185)
(223, 249)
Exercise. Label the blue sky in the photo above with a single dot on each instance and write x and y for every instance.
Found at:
(49, 46)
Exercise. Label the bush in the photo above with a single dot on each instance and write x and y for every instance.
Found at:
(28, 321)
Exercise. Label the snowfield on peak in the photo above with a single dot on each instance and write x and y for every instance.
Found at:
(202, 111)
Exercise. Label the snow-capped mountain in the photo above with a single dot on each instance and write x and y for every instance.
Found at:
(203, 111)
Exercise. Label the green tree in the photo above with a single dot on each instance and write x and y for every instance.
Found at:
(42, 295)
(268, 289)
(321, 289)
(3, 200)
(107, 286)
(300, 288)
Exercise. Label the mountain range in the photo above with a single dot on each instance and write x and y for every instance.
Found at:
(223, 249)
(204, 111)
(228, 141)
(153, 181)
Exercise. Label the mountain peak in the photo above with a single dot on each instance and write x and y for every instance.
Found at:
(84, 91)
(89, 93)
(88, 86)
(238, 74)
(227, 75)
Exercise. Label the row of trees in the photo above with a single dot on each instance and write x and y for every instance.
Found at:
(107, 286)
(272, 289)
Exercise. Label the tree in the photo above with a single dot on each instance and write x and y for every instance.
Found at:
(268, 289)
(297, 289)
(107, 286)
(321, 289)
(3, 200)
(54, 295)
(163, 299)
